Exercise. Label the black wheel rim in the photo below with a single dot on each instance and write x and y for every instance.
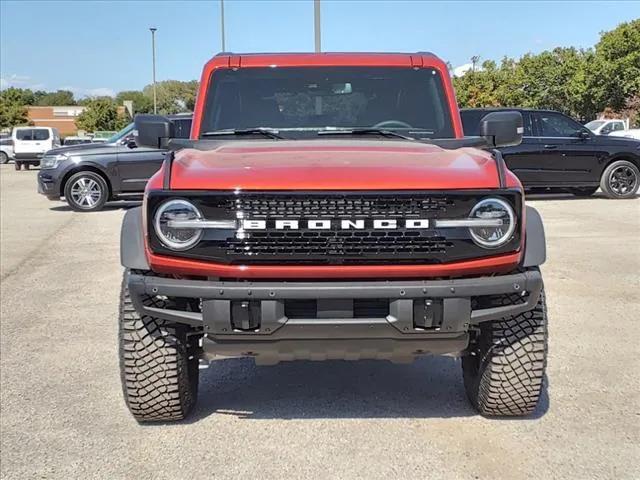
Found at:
(623, 180)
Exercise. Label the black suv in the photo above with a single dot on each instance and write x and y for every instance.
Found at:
(89, 175)
(559, 153)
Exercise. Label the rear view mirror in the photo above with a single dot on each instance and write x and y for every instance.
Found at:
(153, 131)
(502, 129)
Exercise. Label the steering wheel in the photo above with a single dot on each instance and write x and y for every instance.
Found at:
(391, 124)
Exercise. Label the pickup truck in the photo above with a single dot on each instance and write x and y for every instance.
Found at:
(328, 207)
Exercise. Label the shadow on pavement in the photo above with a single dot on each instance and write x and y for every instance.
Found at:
(123, 205)
(431, 387)
(569, 196)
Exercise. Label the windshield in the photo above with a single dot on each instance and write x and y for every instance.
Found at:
(114, 138)
(303, 100)
(594, 124)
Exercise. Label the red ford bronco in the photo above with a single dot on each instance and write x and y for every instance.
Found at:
(327, 206)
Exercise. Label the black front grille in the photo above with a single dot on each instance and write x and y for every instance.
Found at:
(340, 243)
(334, 246)
(344, 206)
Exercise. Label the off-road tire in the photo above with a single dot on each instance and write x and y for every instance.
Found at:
(102, 189)
(17, 165)
(504, 369)
(583, 191)
(158, 365)
(4, 158)
(27, 166)
(609, 188)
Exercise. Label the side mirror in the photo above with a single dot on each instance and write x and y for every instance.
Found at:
(153, 131)
(502, 129)
(584, 135)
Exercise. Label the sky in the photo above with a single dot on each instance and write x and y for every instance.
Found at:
(102, 47)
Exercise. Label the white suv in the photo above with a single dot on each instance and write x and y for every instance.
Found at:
(30, 143)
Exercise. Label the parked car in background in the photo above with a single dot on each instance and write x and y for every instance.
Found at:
(6, 149)
(30, 143)
(631, 133)
(75, 140)
(559, 153)
(89, 175)
(605, 127)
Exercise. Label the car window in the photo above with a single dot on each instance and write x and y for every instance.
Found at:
(40, 134)
(618, 126)
(592, 125)
(557, 125)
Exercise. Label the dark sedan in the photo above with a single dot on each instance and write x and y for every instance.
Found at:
(89, 175)
(559, 153)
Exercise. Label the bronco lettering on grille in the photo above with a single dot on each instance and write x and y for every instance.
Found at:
(329, 224)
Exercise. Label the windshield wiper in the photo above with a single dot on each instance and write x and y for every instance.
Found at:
(366, 131)
(267, 132)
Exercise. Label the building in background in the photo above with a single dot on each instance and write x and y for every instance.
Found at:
(62, 118)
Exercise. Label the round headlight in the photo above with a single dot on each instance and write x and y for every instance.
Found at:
(172, 224)
(496, 211)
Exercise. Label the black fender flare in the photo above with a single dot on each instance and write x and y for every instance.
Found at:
(132, 254)
(535, 248)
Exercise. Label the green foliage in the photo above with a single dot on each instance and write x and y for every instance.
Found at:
(13, 109)
(51, 99)
(141, 102)
(580, 83)
(101, 114)
(173, 96)
(18, 96)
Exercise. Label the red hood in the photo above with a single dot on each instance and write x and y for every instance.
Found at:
(332, 165)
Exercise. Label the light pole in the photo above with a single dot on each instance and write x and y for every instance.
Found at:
(316, 21)
(224, 49)
(153, 55)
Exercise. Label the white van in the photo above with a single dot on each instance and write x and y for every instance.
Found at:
(30, 143)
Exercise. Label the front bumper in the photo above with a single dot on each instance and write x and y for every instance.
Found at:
(249, 318)
(49, 183)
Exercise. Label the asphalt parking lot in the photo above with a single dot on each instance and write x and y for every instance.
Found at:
(63, 415)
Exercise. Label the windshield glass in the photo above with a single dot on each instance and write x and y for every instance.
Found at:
(120, 134)
(309, 99)
(594, 124)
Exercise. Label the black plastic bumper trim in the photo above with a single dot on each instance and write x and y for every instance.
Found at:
(455, 294)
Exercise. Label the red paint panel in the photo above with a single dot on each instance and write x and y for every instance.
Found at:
(497, 264)
(332, 165)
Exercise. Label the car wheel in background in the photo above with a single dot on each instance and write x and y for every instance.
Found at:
(18, 165)
(86, 192)
(621, 179)
(583, 191)
(4, 158)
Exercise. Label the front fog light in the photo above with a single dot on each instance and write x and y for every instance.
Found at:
(176, 224)
(493, 236)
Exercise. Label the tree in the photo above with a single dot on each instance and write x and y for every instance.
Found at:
(615, 70)
(12, 114)
(141, 102)
(18, 96)
(173, 96)
(58, 98)
(100, 114)
(12, 106)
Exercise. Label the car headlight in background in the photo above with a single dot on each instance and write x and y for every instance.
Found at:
(52, 161)
(173, 222)
(493, 236)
